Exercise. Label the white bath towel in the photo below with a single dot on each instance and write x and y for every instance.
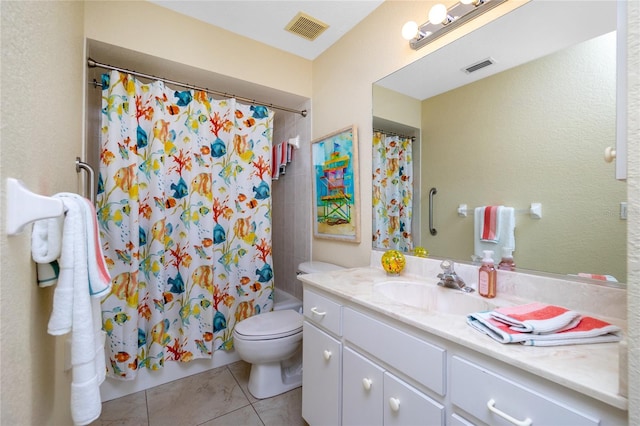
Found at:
(504, 235)
(76, 311)
(46, 243)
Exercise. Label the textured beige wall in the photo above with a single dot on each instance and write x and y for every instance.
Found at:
(633, 180)
(535, 133)
(42, 74)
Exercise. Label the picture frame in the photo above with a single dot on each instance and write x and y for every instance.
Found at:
(336, 190)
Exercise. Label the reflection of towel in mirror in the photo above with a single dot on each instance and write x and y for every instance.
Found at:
(493, 230)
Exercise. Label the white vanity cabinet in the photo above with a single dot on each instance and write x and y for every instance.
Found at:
(321, 360)
(363, 367)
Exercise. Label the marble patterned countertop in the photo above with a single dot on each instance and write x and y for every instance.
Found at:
(592, 369)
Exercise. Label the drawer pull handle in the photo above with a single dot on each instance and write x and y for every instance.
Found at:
(327, 355)
(491, 405)
(366, 383)
(394, 403)
(315, 311)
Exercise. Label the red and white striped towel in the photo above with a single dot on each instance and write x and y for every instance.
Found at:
(491, 223)
(538, 318)
(588, 330)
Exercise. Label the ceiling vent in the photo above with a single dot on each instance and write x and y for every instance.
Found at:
(306, 26)
(479, 65)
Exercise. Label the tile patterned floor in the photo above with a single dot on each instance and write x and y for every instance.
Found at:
(217, 397)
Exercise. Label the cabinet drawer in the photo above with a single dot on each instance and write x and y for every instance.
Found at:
(405, 405)
(416, 358)
(323, 311)
(473, 387)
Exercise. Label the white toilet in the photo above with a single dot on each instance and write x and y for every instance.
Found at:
(272, 342)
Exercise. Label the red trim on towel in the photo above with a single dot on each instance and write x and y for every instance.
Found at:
(489, 227)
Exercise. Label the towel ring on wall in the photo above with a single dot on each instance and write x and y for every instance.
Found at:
(432, 192)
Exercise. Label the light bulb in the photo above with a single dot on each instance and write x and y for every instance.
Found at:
(438, 14)
(409, 30)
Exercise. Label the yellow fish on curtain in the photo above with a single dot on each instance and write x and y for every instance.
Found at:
(184, 205)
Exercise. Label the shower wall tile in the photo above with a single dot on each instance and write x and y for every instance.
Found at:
(291, 210)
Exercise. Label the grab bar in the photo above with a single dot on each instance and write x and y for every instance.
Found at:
(80, 165)
(432, 192)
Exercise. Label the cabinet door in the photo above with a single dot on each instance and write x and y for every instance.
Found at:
(362, 392)
(321, 385)
(405, 405)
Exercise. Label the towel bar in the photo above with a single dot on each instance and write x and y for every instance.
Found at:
(535, 210)
(24, 207)
(432, 192)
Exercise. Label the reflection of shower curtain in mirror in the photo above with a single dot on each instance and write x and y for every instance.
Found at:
(185, 212)
(392, 192)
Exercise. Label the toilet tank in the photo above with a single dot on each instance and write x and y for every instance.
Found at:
(314, 267)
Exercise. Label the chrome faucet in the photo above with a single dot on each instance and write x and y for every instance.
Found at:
(449, 278)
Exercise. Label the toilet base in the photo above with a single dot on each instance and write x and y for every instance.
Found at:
(271, 379)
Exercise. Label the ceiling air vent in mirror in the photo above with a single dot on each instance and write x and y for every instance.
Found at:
(479, 65)
(306, 26)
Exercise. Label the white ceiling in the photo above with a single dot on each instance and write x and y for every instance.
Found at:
(265, 20)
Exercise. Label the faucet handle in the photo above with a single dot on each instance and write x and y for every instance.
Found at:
(447, 266)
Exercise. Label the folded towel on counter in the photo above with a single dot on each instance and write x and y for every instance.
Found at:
(537, 318)
(588, 330)
(494, 229)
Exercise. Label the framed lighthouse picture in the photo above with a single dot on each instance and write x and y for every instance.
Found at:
(334, 162)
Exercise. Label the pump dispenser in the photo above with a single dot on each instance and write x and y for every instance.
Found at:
(507, 263)
(487, 276)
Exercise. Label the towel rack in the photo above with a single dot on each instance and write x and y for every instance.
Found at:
(80, 165)
(535, 210)
(24, 207)
(432, 192)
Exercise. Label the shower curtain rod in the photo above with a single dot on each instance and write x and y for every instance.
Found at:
(94, 64)
(413, 138)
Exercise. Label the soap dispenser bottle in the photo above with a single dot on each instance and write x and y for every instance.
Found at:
(507, 263)
(487, 276)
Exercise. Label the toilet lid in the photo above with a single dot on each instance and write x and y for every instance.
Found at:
(271, 325)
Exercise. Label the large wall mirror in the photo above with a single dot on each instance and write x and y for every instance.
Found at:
(530, 128)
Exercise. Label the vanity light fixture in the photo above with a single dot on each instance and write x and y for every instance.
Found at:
(442, 20)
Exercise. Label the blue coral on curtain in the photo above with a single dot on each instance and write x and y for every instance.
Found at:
(184, 204)
(392, 192)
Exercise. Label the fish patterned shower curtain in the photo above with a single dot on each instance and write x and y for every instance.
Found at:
(392, 192)
(184, 205)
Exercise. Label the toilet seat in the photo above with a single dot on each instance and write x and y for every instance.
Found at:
(272, 325)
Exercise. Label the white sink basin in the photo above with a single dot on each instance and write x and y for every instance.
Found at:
(431, 297)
